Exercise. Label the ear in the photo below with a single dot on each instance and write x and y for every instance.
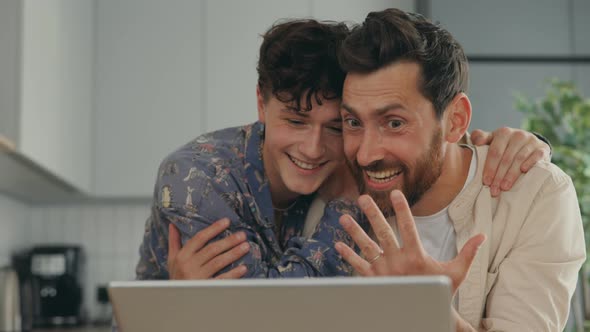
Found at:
(260, 104)
(457, 118)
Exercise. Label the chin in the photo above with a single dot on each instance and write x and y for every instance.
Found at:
(303, 188)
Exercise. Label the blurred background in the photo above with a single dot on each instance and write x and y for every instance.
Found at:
(94, 93)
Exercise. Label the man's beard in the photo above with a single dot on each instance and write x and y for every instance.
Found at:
(415, 182)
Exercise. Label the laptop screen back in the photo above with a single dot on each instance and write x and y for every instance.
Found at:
(286, 305)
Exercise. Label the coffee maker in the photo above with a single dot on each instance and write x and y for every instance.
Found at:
(51, 279)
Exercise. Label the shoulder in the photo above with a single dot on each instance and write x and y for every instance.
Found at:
(197, 168)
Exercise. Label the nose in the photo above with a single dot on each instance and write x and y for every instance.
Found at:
(371, 148)
(313, 147)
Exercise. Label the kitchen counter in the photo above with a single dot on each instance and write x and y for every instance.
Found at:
(76, 329)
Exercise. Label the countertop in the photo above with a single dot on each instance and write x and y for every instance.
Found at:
(76, 329)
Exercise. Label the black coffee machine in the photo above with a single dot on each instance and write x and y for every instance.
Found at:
(51, 282)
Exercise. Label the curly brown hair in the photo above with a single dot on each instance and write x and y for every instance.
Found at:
(299, 58)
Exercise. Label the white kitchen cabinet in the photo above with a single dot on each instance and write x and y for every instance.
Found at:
(48, 105)
(507, 27)
(354, 10)
(231, 44)
(493, 85)
(9, 63)
(148, 89)
(581, 26)
(167, 72)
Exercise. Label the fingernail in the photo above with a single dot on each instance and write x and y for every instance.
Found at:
(395, 195)
(241, 236)
(494, 189)
(224, 222)
(345, 221)
(505, 185)
(242, 268)
(487, 180)
(244, 247)
(363, 201)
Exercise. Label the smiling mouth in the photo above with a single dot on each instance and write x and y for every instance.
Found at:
(383, 176)
(303, 165)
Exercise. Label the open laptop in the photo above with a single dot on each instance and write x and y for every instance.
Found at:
(286, 305)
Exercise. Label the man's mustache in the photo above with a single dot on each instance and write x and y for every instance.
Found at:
(379, 166)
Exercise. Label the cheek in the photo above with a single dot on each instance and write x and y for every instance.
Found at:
(280, 138)
(351, 146)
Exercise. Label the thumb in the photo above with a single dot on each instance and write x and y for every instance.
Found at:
(465, 258)
(480, 137)
(173, 242)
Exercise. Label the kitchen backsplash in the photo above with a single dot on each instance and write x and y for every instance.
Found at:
(14, 227)
(109, 232)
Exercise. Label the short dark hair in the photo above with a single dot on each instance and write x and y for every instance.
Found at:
(300, 58)
(393, 35)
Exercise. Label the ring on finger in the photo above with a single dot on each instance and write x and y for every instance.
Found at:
(374, 259)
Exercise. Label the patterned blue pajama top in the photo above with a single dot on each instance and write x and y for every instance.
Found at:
(221, 174)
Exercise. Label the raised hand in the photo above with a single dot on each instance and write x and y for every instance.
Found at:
(199, 260)
(387, 257)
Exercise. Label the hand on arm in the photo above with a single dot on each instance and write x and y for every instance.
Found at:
(387, 257)
(512, 152)
(199, 259)
(301, 257)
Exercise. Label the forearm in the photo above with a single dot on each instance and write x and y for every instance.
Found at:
(303, 258)
(316, 256)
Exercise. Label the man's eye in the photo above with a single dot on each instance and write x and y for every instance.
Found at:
(352, 123)
(295, 122)
(336, 129)
(395, 123)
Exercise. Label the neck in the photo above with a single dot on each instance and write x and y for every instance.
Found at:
(452, 179)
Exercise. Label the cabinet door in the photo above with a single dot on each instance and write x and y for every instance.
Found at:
(10, 13)
(148, 89)
(581, 24)
(492, 89)
(56, 87)
(354, 10)
(507, 27)
(232, 41)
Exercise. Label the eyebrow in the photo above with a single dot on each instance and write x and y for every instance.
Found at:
(380, 111)
(337, 119)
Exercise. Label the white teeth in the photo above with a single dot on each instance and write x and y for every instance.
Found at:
(304, 165)
(383, 176)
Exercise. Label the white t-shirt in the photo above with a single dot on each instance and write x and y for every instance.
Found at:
(436, 231)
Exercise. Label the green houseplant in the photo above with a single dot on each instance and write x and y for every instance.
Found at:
(563, 117)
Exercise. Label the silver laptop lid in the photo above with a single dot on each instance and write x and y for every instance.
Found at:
(420, 303)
